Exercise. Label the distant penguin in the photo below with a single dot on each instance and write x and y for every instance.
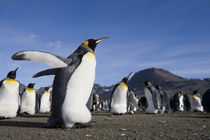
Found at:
(9, 96)
(28, 100)
(165, 102)
(45, 103)
(96, 102)
(132, 101)
(118, 103)
(153, 98)
(73, 82)
(136, 101)
(195, 101)
(178, 101)
(105, 105)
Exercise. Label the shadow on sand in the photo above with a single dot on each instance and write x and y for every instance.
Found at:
(22, 124)
(34, 116)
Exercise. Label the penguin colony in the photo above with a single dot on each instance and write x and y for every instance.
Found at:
(70, 105)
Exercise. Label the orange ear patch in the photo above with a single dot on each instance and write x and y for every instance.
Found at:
(86, 43)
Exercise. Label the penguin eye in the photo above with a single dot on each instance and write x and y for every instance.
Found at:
(86, 43)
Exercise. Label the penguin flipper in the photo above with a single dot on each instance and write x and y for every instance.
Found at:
(155, 99)
(42, 57)
(47, 72)
(1, 82)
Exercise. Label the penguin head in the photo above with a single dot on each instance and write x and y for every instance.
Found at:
(31, 85)
(147, 83)
(125, 79)
(12, 74)
(91, 43)
(180, 92)
(195, 91)
(97, 96)
(158, 87)
(47, 88)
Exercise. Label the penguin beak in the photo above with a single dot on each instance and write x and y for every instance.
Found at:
(129, 75)
(101, 39)
(16, 69)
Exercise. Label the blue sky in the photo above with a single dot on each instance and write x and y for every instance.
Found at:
(173, 35)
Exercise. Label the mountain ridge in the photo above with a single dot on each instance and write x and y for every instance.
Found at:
(169, 82)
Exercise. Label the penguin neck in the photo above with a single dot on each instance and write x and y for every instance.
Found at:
(30, 89)
(123, 84)
(86, 48)
(81, 50)
(149, 85)
(11, 80)
(194, 96)
(47, 92)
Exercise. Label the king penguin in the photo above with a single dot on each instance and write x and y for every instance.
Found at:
(72, 85)
(165, 103)
(28, 100)
(153, 98)
(9, 96)
(45, 103)
(96, 102)
(179, 101)
(195, 101)
(118, 103)
(132, 101)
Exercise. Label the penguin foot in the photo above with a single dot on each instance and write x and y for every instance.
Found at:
(52, 125)
(24, 114)
(84, 125)
(117, 113)
(2, 117)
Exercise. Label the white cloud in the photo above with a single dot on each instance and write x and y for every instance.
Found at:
(56, 44)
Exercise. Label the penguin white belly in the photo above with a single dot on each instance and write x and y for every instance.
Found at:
(9, 99)
(45, 103)
(132, 102)
(196, 104)
(150, 108)
(136, 107)
(181, 103)
(79, 88)
(119, 99)
(28, 102)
